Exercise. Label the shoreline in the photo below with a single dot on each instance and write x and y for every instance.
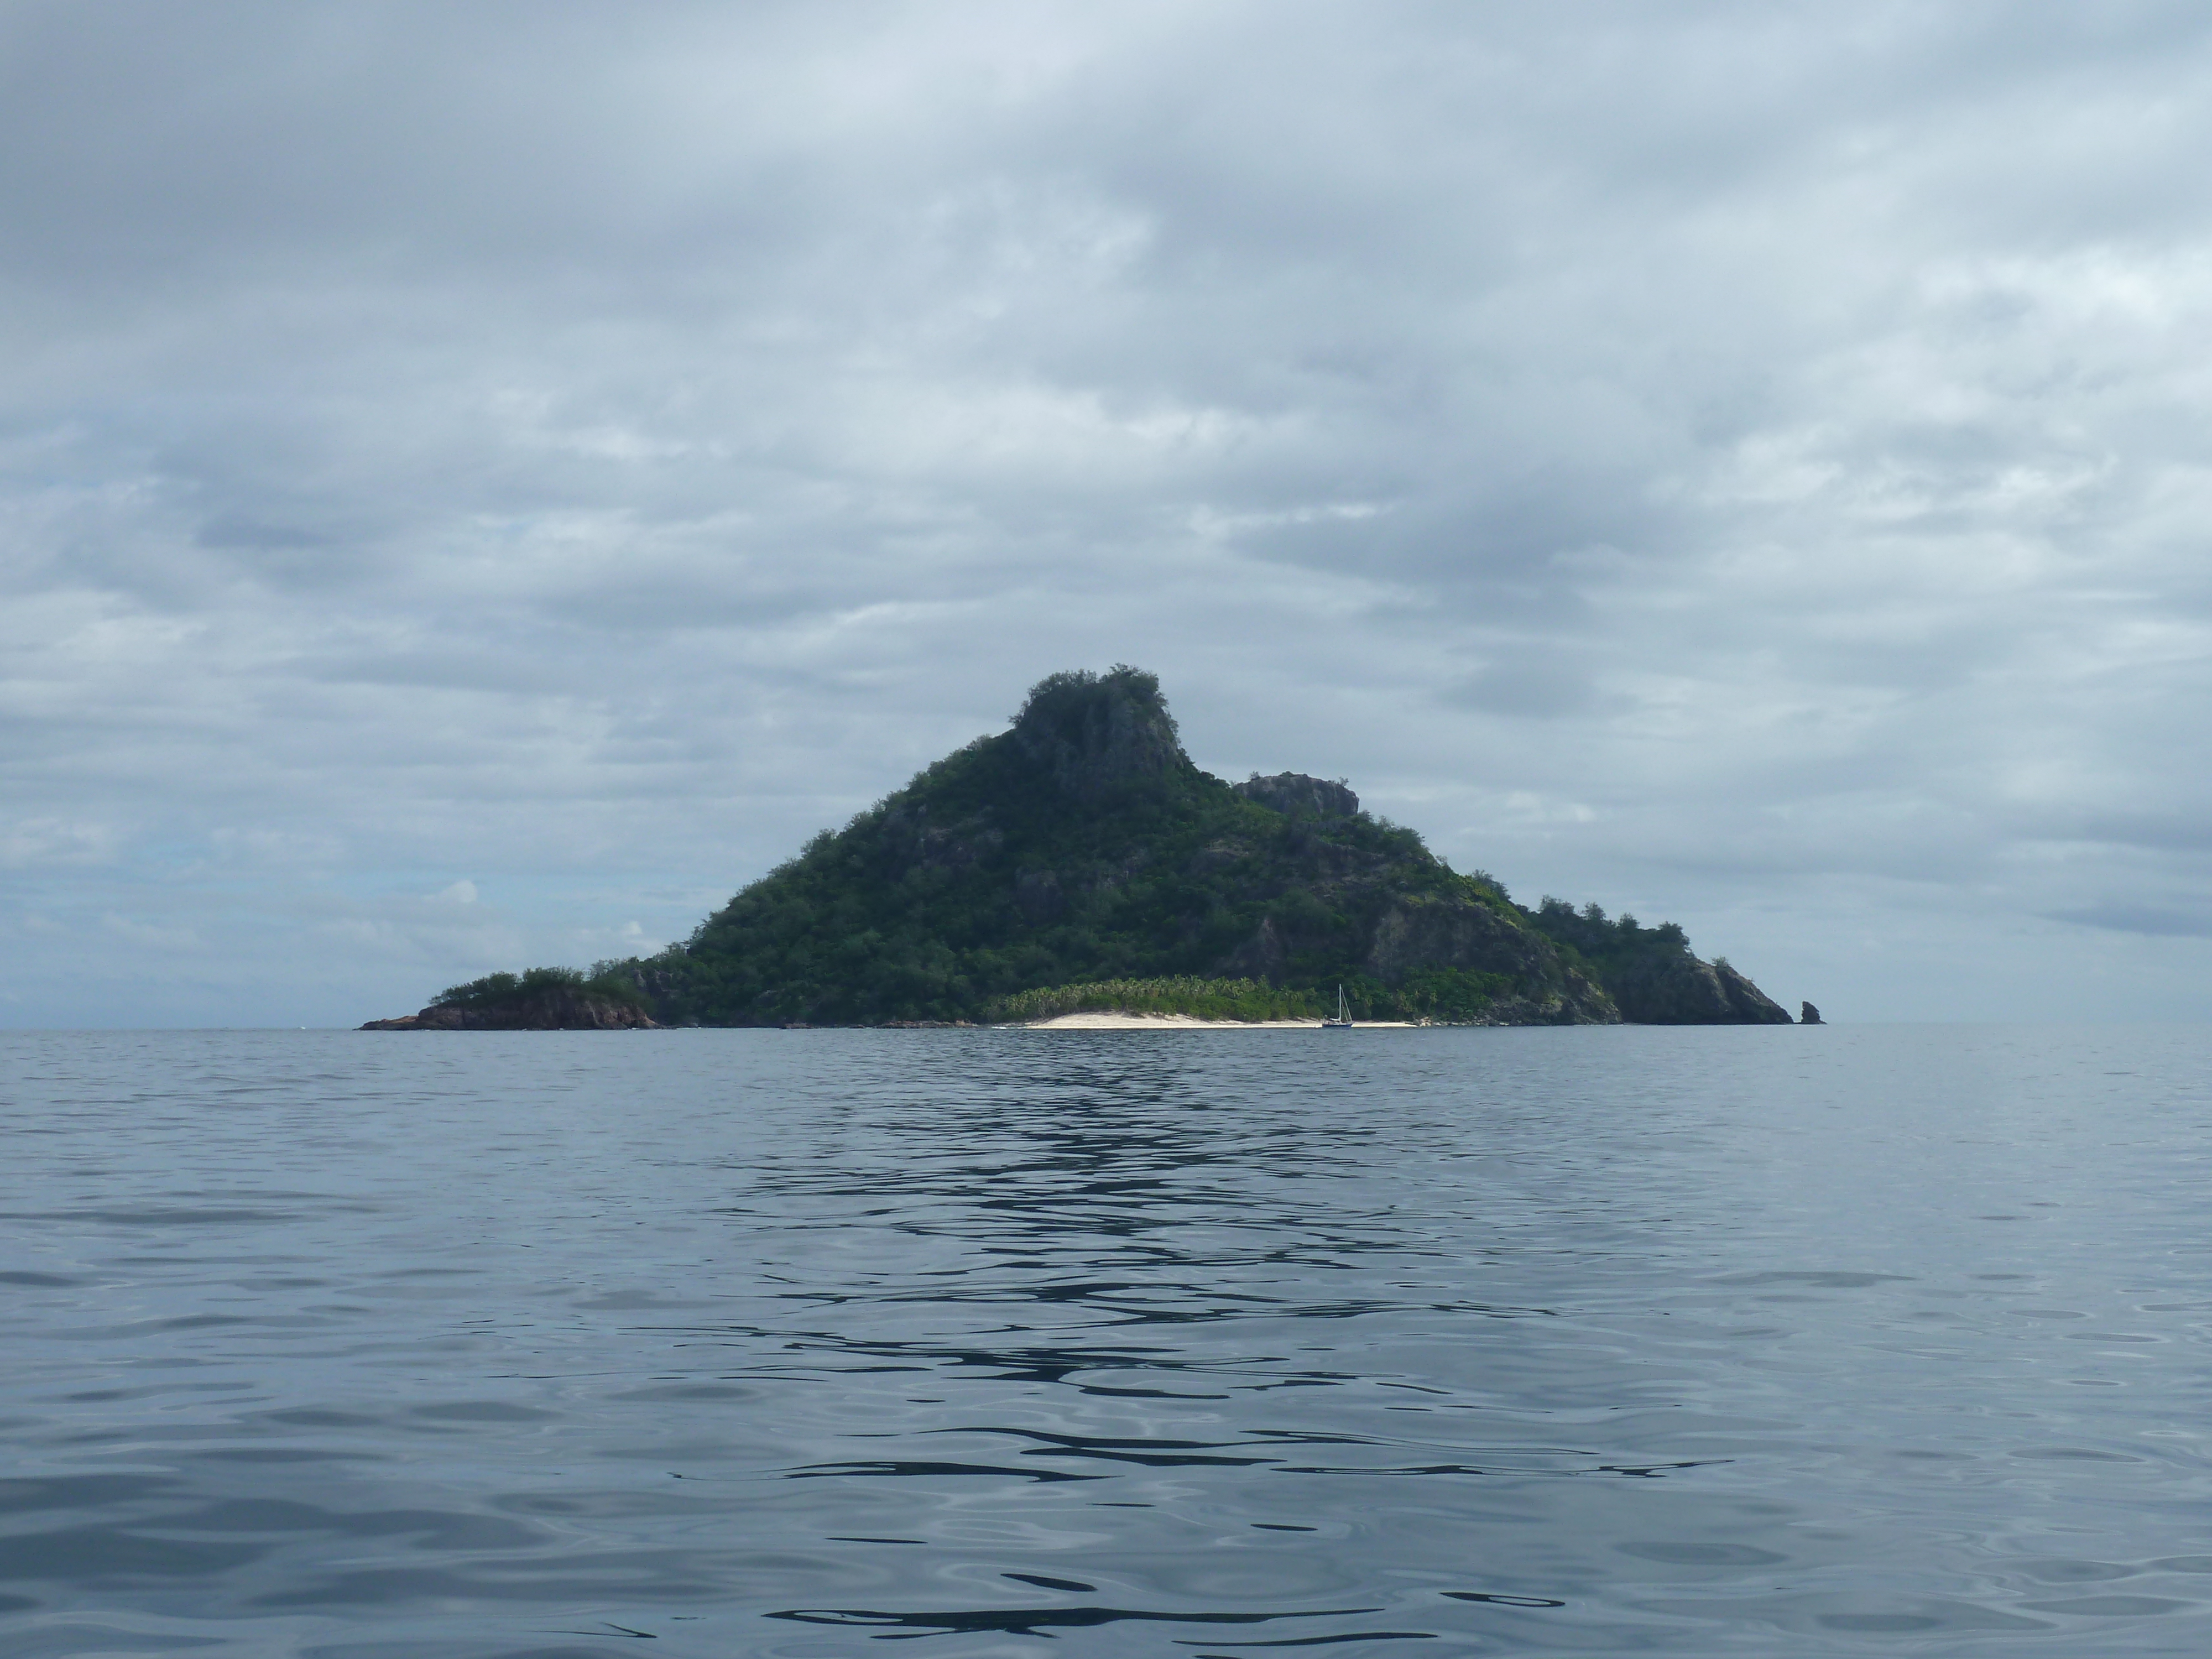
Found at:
(1112, 1022)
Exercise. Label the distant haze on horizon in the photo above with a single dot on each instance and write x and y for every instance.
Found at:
(478, 484)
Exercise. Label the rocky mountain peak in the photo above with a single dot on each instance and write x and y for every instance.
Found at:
(1098, 732)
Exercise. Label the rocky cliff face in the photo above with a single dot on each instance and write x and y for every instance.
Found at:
(1097, 734)
(911, 835)
(1650, 971)
(1294, 795)
(1396, 937)
(1689, 992)
(561, 1010)
(1419, 933)
(1391, 914)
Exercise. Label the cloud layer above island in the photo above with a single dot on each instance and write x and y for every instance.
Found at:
(477, 484)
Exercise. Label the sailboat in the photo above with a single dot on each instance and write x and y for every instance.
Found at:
(1343, 1020)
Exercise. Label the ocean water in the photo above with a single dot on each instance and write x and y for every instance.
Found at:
(1774, 1341)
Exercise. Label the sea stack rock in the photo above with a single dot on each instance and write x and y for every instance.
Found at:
(1810, 1016)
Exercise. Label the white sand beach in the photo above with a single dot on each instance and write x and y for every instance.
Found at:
(1191, 1023)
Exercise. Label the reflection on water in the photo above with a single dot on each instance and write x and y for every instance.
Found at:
(1738, 1341)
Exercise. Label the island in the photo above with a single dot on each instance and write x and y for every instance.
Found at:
(1080, 863)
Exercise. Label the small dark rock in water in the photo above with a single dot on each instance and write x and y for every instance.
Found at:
(1811, 1016)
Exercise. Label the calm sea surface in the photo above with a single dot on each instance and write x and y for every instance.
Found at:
(1761, 1341)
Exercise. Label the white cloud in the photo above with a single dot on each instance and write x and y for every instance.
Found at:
(55, 841)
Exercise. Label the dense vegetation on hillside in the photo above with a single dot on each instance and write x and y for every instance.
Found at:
(1079, 860)
(1650, 971)
(493, 990)
(1082, 847)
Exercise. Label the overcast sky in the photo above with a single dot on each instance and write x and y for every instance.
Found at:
(480, 483)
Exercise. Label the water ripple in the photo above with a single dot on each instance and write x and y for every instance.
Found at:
(743, 1343)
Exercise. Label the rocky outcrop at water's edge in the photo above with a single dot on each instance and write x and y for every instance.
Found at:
(562, 1009)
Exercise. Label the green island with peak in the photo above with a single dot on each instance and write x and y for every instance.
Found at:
(1080, 861)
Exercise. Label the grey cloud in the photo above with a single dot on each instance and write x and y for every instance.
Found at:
(2141, 919)
(1531, 681)
(257, 534)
